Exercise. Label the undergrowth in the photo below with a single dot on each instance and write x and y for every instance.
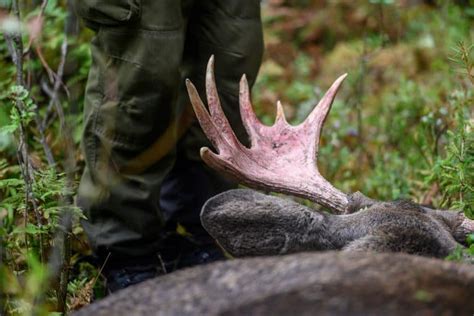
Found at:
(402, 126)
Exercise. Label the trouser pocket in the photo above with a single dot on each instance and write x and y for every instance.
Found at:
(107, 12)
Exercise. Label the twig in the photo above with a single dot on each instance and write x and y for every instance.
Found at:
(50, 114)
(428, 198)
(56, 263)
(69, 167)
(438, 134)
(60, 256)
(44, 143)
(51, 75)
(57, 84)
(38, 18)
(15, 46)
(162, 263)
(101, 269)
(49, 71)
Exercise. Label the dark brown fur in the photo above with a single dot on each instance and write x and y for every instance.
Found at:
(248, 223)
(330, 283)
(357, 281)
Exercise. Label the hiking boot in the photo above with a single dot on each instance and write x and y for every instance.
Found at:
(179, 251)
(118, 279)
(201, 256)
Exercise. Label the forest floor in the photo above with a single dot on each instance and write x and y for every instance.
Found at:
(402, 126)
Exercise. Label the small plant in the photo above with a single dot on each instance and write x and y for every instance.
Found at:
(18, 118)
(454, 171)
(460, 254)
(36, 187)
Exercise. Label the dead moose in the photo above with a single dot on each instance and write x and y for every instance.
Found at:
(379, 270)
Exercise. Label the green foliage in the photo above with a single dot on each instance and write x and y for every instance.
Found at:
(25, 240)
(34, 275)
(401, 127)
(17, 117)
(454, 171)
(395, 121)
(28, 230)
(461, 254)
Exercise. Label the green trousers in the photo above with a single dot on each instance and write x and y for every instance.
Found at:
(141, 141)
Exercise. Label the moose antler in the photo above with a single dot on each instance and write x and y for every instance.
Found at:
(282, 157)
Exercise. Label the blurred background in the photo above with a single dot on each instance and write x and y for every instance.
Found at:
(401, 126)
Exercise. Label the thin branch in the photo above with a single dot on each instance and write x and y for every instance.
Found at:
(61, 254)
(59, 258)
(38, 18)
(49, 71)
(47, 150)
(54, 98)
(50, 114)
(52, 76)
(15, 46)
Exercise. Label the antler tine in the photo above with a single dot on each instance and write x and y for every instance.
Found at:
(203, 116)
(316, 118)
(211, 90)
(280, 115)
(249, 119)
(214, 123)
(282, 157)
(214, 104)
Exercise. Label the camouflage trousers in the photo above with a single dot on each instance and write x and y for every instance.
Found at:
(141, 142)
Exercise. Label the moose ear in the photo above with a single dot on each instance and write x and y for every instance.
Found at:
(248, 223)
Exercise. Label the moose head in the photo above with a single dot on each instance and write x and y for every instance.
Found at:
(283, 158)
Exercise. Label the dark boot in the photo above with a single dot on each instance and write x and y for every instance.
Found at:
(118, 279)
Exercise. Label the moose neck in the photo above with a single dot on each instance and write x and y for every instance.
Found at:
(249, 223)
(319, 190)
(343, 229)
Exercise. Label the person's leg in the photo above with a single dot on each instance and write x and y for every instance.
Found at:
(129, 137)
(232, 31)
